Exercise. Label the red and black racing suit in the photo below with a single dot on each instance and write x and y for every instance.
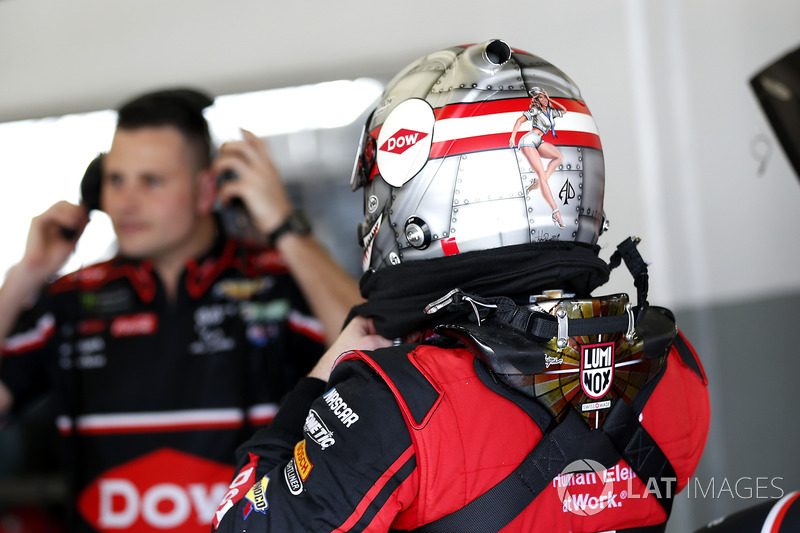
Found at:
(152, 392)
(403, 436)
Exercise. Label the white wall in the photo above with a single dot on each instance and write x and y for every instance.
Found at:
(666, 80)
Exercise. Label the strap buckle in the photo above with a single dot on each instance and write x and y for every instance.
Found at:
(451, 297)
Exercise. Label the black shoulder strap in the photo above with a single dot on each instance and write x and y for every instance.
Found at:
(498, 506)
(642, 453)
(688, 357)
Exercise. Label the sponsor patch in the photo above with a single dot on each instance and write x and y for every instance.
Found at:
(108, 301)
(136, 324)
(586, 487)
(91, 345)
(272, 311)
(261, 334)
(597, 369)
(257, 498)
(243, 480)
(550, 360)
(595, 406)
(304, 466)
(404, 141)
(292, 477)
(317, 431)
(165, 489)
(243, 289)
(91, 326)
(213, 315)
(339, 407)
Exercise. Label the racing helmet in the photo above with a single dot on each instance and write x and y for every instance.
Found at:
(442, 173)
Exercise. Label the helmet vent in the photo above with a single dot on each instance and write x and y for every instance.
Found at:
(497, 52)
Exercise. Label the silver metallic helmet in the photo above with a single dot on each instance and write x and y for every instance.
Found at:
(473, 148)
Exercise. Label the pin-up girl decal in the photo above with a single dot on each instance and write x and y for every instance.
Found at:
(542, 114)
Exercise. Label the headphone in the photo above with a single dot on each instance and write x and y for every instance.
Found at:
(90, 184)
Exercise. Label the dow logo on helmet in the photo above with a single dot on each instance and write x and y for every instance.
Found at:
(597, 369)
(402, 141)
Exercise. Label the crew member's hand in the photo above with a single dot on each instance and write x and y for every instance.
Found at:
(52, 238)
(359, 334)
(258, 182)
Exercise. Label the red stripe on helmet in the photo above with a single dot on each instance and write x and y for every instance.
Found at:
(510, 105)
(500, 140)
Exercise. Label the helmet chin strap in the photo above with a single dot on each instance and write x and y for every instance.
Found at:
(540, 326)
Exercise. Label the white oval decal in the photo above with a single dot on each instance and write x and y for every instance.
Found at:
(404, 142)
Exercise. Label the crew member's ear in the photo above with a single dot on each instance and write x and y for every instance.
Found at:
(206, 191)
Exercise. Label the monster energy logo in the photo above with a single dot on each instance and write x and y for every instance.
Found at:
(567, 193)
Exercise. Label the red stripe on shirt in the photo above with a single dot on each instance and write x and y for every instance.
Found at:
(198, 426)
(369, 497)
(29, 340)
(307, 327)
(776, 525)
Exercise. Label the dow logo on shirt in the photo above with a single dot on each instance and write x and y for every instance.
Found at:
(597, 369)
(165, 489)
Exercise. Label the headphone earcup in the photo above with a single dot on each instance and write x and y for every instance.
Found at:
(90, 184)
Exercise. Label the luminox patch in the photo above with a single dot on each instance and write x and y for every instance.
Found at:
(257, 498)
(317, 431)
(404, 142)
(597, 369)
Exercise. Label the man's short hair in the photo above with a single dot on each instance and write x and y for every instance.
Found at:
(179, 108)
